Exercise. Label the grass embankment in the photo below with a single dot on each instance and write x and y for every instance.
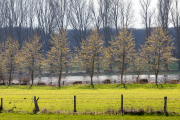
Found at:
(90, 99)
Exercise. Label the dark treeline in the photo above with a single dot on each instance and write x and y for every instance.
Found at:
(138, 34)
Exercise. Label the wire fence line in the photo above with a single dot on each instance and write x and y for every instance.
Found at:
(95, 104)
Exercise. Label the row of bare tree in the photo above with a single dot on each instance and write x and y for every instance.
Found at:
(82, 15)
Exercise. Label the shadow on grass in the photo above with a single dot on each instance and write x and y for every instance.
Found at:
(160, 86)
(119, 85)
(91, 86)
(31, 87)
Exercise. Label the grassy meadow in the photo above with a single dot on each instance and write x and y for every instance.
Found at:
(98, 99)
(14, 116)
(18, 100)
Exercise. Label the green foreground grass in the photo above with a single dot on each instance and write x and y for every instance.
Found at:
(13, 116)
(89, 99)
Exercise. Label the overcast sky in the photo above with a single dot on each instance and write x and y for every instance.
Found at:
(137, 9)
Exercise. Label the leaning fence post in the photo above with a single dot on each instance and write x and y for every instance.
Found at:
(36, 105)
(122, 103)
(1, 108)
(75, 103)
(165, 104)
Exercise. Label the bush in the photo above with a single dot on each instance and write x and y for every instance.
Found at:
(107, 81)
(143, 81)
(174, 81)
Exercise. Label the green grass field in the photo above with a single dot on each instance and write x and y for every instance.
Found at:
(89, 99)
(13, 116)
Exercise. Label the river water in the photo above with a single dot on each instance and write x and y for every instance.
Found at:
(99, 79)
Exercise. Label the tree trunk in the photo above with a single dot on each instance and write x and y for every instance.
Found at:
(110, 68)
(1, 75)
(166, 65)
(92, 71)
(10, 70)
(137, 78)
(59, 81)
(91, 79)
(66, 66)
(39, 73)
(32, 73)
(149, 67)
(10, 77)
(98, 68)
(121, 77)
(156, 78)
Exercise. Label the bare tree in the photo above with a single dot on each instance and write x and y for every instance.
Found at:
(31, 16)
(21, 9)
(62, 8)
(163, 18)
(96, 19)
(10, 15)
(175, 20)
(116, 13)
(80, 19)
(126, 13)
(46, 16)
(146, 15)
(163, 12)
(104, 9)
(2, 14)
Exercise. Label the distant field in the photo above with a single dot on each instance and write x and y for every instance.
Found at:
(98, 99)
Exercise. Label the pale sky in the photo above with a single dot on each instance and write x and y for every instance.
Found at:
(137, 9)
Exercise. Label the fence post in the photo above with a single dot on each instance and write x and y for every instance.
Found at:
(1, 108)
(75, 103)
(122, 103)
(165, 104)
(36, 105)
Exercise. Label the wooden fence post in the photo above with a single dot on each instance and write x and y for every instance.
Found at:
(122, 103)
(165, 104)
(1, 108)
(75, 103)
(36, 105)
